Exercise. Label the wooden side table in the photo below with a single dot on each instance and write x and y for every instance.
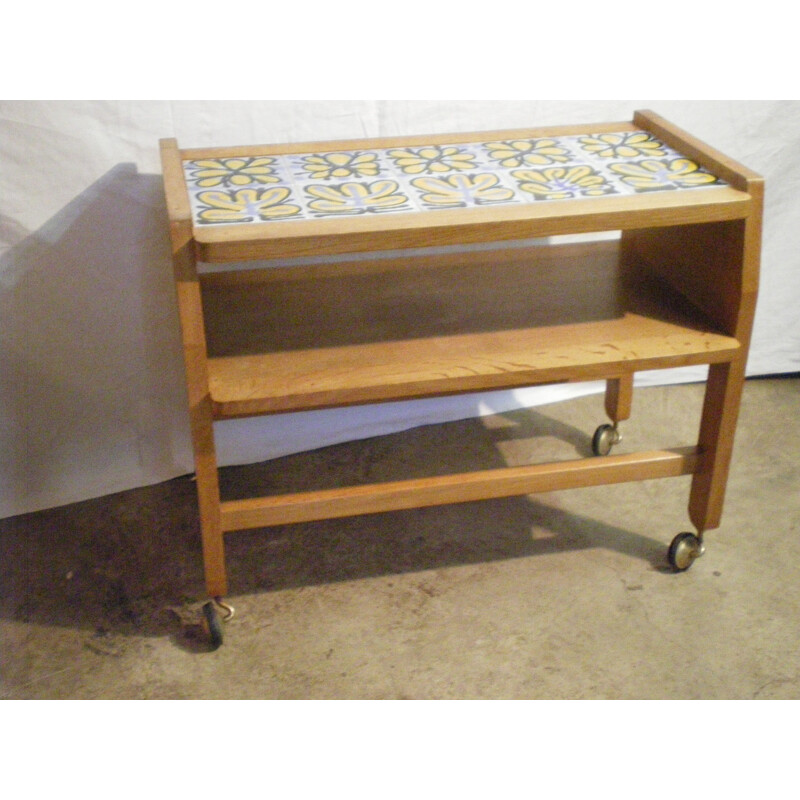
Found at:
(677, 288)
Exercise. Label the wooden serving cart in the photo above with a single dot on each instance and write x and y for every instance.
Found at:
(677, 287)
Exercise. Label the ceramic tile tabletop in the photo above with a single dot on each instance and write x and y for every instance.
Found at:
(424, 178)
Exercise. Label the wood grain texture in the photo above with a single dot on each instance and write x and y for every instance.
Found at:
(494, 320)
(190, 313)
(619, 398)
(716, 266)
(464, 487)
(730, 170)
(726, 381)
(175, 192)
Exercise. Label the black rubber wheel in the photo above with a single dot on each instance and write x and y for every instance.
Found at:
(683, 551)
(605, 437)
(213, 623)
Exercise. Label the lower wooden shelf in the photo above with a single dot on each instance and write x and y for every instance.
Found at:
(288, 339)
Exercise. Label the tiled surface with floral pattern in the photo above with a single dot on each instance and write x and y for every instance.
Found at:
(429, 177)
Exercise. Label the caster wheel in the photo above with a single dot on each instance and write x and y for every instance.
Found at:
(605, 437)
(213, 624)
(685, 548)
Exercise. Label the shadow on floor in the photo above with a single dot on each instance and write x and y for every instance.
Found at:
(118, 564)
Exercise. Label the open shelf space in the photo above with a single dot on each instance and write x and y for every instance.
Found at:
(388, 329)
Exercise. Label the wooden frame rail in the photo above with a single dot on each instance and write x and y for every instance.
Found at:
(458, 488)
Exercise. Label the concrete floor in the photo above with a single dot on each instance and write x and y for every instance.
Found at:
(562, 595)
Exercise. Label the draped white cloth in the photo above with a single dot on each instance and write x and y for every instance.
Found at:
(92, 398)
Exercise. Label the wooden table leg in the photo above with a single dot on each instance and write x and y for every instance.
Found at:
(208, 497)
(717, 426)
(619, 398)
(201, 419)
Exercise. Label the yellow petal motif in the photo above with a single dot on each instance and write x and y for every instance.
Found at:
(356, 198)
(341, 165)
(559, 183)
(462, 190)
(246, 205)
(651, 174)
(509, 154)
(623, 145)
(533, 152)
(232, 171)
(432, 159)
(687, 173)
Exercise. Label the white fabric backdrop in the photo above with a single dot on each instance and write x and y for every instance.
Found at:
(91, 381)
